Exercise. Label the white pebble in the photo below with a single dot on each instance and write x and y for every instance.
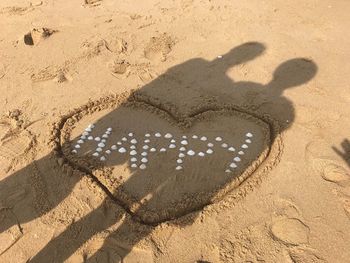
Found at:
(201, 154)
(248, 141)
(145, 147)
(157, 134)
(184, 137)
(109, 129)
(133, 152)
(95, 154)
(124, 139)
(203, 138)
(131, 134)
(99, 149)
(233, 165)
(77, 146)
(119, 143)
(178, 167)
(142, 166)
(194, 136)
(88, 129)
(103, 158)
(172, 141)
(162, 150)
(210, 144)
(114, 147)
(191, 153)
(132, 147)
(147, 141)
(249, 135)
(83, 137)
(103, 140)
(181, 155)
(74, 151)
(108, 151)
(108, 132)
(168, 136)
(133, 159)
(227, 171)
(218, 139)
(182, 149)
(91, 126)
(184, 142)
(210, 151)
(133, 141)
(80, 141)
(241, 153)
(105, 136)
(172, 146)
(179, 161)
(85, 133)
(90, 138)
(97, 139)
(244, 146)
(147, 135)
(224, 145)
(237, 159)
(101, 144)
(144, 160)
(152, 150)
(144, 153)
(231, 149)
(122, 150)
(133, 165)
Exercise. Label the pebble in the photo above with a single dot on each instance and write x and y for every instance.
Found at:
(99, 149)
(227, 171)
(184, 142)
(168, 136)
(179, 161)
(108, 132)
(119, 143)
(172, 146)
(90, 138)
(194, 136)
(114, 147)
(231, 149)
(210, 144)
(146, 141)
(224, 145)
(181, 155)
(74, 151)
(249, 135)
(95, 154)
(142, 166)
(133, 141)
(108, 151)
(244, 146)
(91, 126)
(204, 138)
(184, 137)
(132, 147)
(237, 159)
(77, 146)
(152, 150)
(178, 168)
(133, 159)
(85, 133)
(191, 153)
(182, 149)
(80, 141)
(233, 165)
(147, 135)
(144, 160)
(97, 139)
(157, 134)
(122, 150)
(103, 158)
(101, 144)
(109, 129)
(103, 140)
(105, 136)
(131, 134)
(201, 154)
(133, 165)
(248, 141)
(83, 137)
(241, 153)
(144, 153)
(172, 141)
(162, 150)
(124, 139)
(133, 152)
(88, 129)
(218, 139)
(145, 147)
(210, 151)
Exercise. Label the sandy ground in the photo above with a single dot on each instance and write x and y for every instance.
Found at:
(277, 68)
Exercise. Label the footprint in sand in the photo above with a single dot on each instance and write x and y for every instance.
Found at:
(159, 47)
(37, 34)
(92, 3)
(290, 231)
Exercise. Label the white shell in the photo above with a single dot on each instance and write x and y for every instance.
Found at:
(83, 137)
(103, 158)
(77, 146)
(144, 153)
(182, 149)
(201, 154)
(103, 140)
(184, 137)
(231, 149)
(85, 133)
(237, 159)
(184, 142)
(227, 171)
(144, 160)
(105, 136)
(152, 150)
(179, 161)
(108, 132)
(218, 139)
(210, 144)
(210, 151)
(95, 154)
(147, 135)
(194, 136)
(133, 152)
(249, 135)
(172, 141)
(91, 126)
(101, 144)
(108, 151)
(145, 147)
(119, 143)
(224, 145)
(157, 134)
(133, 141)
(191, 153)
(168, 136)
(124, 139)
(133, 159)
(181, 155)
(172, 146)
(114, 147)
(109, 129)
(178, 167)
(88, 129)
(233, 165)
(244, 146)
(162, 150)
(122, 150)
(132, 147)
(147, 141)
(130, 134)
(248, 141)
(241, 153)
(99, 149)
(133, 165)
(142, 166)
(97, 139)
(74, 151)
(90, 138)
(203, 138)
(80, 141)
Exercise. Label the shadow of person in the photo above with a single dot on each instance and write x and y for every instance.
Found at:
(182, 90)
(344, 152)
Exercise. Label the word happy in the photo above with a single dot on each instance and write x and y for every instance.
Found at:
(139, 154)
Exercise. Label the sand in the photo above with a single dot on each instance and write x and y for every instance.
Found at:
(219, 131)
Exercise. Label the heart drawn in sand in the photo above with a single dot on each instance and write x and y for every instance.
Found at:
(159, 165)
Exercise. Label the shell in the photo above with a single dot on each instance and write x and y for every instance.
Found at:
(203, 138)
(249, 135)
(201, 154)
(168, 136)
(103, 158)
(218, 139)
(210, 151)
(237, 159)
(114, 147)
(142, 166)
(97, 139)
(133, 152)
(172, 146)
(191, 153)
(101, 144)
(90, 138)
(144, 160)
(144, 153)
(184, 142)
(122, 150)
